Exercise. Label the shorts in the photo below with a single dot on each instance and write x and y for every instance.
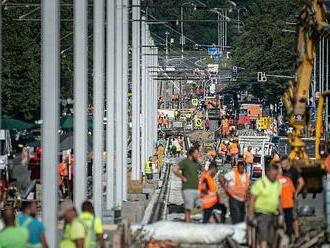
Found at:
(149, 176)
(266, 227)
(190, 198)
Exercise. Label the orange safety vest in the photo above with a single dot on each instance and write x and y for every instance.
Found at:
(288, 190)
(223, 149)
(211, 198)
(233, 148)
(239, 189)
(248, 157)
(63, 169)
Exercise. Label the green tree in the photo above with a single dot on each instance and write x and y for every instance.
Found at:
(263, 46)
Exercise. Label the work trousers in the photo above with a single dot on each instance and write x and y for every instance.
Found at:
(237, 210)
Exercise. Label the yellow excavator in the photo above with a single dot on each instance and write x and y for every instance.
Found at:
(312, 25)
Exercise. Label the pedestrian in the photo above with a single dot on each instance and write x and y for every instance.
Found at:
(211, 155)
(233, 151)
(12, 236)
(236, 185)
(74, 234)
(223, 151)
(207, 124)
(209, 196)
(248, 159)
(28, 219)
(298, 182)
(148, 169)
(287, 202)
(155, 167)
(93, 225)
(187, 171)
(264, 205)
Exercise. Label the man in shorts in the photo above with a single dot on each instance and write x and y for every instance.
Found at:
(265, 205)
(187, 171)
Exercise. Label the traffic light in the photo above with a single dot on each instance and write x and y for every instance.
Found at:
(234, 74)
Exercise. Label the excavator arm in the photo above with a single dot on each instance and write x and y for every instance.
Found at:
(311, 26)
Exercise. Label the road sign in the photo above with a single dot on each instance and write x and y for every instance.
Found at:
(198, 122)
(194, 102)
(213, 51)
(261, 77)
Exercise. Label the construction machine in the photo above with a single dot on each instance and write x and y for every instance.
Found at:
(312, 25)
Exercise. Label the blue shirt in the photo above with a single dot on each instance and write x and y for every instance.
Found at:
(35, 227)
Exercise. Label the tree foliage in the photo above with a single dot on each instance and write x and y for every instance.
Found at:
(264, 46)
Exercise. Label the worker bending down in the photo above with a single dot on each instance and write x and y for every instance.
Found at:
(209, 197)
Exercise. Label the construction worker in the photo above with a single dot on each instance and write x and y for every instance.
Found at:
(287, 202)
(223, 151)
(209, 196)
(12, 235)
(148, 169)
(187, 171)
(264, 205)
(236, 185)
(248, 159)
(298, 181)
(225, 128)
(211, 155)
(74, 234)
(28, 219)
(93, 225)
(63, 178)
(234, 151)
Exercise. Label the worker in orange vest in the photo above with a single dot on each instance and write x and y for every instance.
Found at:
(209, 196)
(63, 177)
(225, 128)
(233, 151)
(248, 159)
(287, 202)
(236, 185)
(223, 151)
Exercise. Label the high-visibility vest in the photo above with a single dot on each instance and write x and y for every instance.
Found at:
(147, 168)
(63, 169)
(287, 193)
(223, 149)
(211, 198)
(233, 149)
(238, 189)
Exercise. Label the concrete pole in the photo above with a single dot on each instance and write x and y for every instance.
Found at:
(166, 47)
(118, 105)
(149, 95)
(136, 137)
(0, 64)
(98, 91)
(80, 99)
(156, 96)
(50, 110)
(327, 88)
(219, 39)
(125, 97)
(143, 119)
(111, 76)
(182, 35)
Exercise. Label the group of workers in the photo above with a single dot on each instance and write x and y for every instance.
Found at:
(259, 202)
(25, 230)
(163, 121)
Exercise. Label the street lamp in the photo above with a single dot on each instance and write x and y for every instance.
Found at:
(182, 35)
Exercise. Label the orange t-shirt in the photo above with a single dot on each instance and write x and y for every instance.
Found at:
(287, 193)
(327, 164)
